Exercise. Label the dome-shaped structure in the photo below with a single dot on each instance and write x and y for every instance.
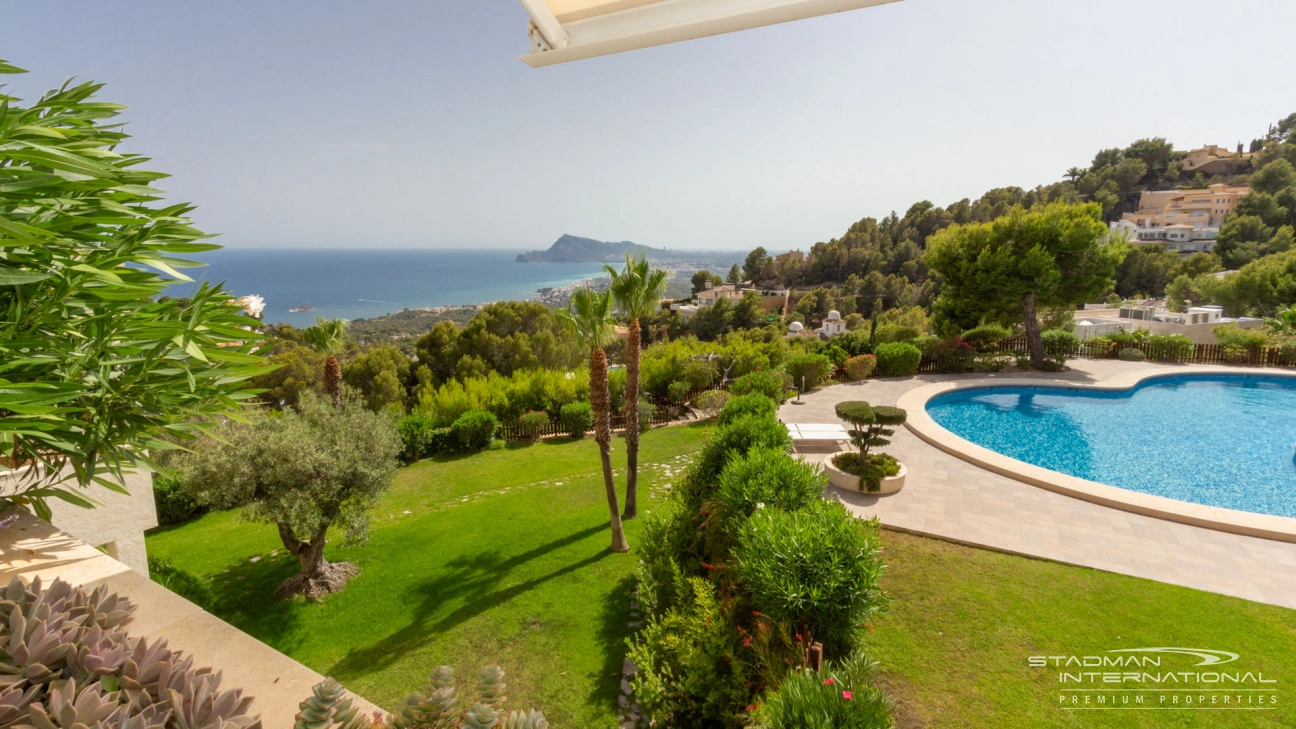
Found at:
(834, 315)
(795, 327)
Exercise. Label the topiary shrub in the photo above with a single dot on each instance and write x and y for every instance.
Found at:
(532, 424)
(871, 427)
(838, 696)
(987, 337)
(765, 478)
(771, 384)
(1060, 344)
(860, 368)
(475, 429)
(710, 403)
(738, 437)
(678, 392)
(817, 567)
(808, 370)
(745, 405)
(577, 418)
(1131, 354)
(898, 359)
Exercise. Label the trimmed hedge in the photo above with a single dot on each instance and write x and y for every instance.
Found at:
(577, 418)
(769, 383)
(860, 367)
(475, 429)
(898, 359)
(808, 370)
(744, 405)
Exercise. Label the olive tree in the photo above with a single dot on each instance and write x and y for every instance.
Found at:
(305, 471)
(96, 367)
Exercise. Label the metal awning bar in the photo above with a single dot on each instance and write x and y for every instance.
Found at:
(577, 29)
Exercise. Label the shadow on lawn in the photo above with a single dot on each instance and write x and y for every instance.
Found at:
(244, 597)
(613, 629)
(473, 580)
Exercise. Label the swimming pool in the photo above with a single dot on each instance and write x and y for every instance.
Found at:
(1218, 440)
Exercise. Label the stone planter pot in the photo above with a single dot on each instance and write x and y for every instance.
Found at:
(850, 482)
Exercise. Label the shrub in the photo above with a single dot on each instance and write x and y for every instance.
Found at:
(668, 535)
(992, 361)
(738, 437)
(1102, 346)
(951, 355)
(808, 370)
(898, 359)
(646, 412)
(1132, 354)
(711, 402)
(475, 429)
(769, 383)
(678, 392)
(1287, 354)
(685, 673)
(817, 567)
(765, 478)
(860, 367)
(1170, 348)
(838, 696)
(745, 405)
(1060, 344)
(416, 434)
(889, 333)
(855, 343)
(1234, 335)
(699, 374)
(533, 424)
(174, 504)
(880, 466)
(577, 418)
(836, 355)
(986, 338)
(182, 583)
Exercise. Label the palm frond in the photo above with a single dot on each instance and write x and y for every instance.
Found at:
(589, 316)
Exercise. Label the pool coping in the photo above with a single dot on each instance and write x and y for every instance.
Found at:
(915, 401)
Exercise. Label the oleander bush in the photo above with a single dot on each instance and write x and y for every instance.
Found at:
(860, 367)
(951, 355)
(744, 405)
(711, 403)
(577, 418)
(646, 412)
(533, 424)
(1060, 344)
(1170, 348)
(771, 384)
(839, 696)
(475, 429)
(174, 504)
(898, 359)
(808, 371)
(765, 478)
(678, 392)
(1131, 354)
(816, 567)
(738, 437)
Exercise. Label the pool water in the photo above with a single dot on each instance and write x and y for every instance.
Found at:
(1217, 440)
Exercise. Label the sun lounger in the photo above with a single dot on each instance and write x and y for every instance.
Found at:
(817, 434)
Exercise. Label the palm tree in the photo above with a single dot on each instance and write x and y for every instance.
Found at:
(637, 290)
(589, 316)
(329, 336)
(1074, 174)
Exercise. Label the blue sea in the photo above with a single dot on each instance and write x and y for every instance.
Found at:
(364, 283)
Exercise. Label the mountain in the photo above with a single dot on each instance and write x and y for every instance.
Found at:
(571, 249)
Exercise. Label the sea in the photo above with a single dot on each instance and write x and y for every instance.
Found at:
(365, 283)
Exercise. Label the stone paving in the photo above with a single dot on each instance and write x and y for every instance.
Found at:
(952, 499)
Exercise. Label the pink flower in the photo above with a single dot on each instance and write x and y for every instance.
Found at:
(846, 695)
(828, 682)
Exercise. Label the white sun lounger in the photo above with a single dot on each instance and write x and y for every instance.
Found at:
(817, 434)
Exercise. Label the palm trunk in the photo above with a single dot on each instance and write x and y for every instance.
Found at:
(1033, 340)
(601, 402)
(632, 422)
(333, 379)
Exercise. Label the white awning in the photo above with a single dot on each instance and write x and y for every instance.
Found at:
(569, 30)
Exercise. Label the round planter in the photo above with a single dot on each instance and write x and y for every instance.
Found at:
(850, 482)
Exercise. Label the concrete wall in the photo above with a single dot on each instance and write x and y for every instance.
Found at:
(117, 523)
(32, 548)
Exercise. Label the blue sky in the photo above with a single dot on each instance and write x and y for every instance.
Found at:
(414, 123)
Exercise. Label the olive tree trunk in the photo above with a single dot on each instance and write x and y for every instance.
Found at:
(632, 422)
(317, 576)
(1034, 342)
(602, 404)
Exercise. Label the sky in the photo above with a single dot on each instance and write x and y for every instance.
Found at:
(414, 124)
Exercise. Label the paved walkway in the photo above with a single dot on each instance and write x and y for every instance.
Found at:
(949, 498)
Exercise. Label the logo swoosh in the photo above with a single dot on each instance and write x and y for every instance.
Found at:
(1208, 657)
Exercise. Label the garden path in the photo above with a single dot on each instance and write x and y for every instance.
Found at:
(952, 499)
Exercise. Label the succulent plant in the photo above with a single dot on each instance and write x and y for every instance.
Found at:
(529, 719)
(14, 700)
(442, 677)
(73, 707)
(480, 716)
(422, 710)
(490, 686)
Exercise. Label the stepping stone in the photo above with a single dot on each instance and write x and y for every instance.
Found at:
(625, 687)
(633, 623)
(623, 701)
(628, 667)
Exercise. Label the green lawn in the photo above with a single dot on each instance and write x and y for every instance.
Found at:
(471, 561)
(502, 557)
(955, 642)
